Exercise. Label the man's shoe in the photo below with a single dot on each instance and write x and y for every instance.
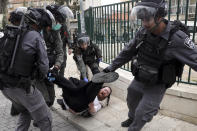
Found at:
(61, 103)
(14, 111)
(35, 124)
(103, 77)
(126, 123)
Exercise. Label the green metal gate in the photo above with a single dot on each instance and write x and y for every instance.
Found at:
(109, 27)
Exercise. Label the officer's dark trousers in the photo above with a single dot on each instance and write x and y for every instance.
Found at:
(63, 66)
(35, 105)
(94, 67)
(47, 90)
(143, 103)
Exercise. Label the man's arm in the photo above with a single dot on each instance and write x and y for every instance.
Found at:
(97, 51)
(125, 55)
(43, 62)
(183, 49)
(94, 106)
(58, 49)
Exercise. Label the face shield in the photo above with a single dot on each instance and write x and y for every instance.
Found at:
(66, 12)
(84, 41)
(142, 13)
(21, 10)
(53, 22)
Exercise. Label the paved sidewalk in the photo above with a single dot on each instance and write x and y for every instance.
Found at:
(8, 123)
(109, 118)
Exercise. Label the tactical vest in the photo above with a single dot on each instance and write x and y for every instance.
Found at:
(149, 66)
(89, 55)
(149, 59)
(23, 63)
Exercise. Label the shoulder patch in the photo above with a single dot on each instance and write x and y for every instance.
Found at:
(1, 34)
(189, 43)
(44, 44)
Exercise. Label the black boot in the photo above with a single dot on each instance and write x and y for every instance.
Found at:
(126, 123)
(61, 103)
(14, 111)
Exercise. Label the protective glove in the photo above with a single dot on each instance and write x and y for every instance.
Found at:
(51, 77)
(85, 79)
(55, 70)
(99, 60)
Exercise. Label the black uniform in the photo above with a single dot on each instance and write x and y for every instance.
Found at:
(151, 53)
(65, 36)
(90, 57)
(17, 86)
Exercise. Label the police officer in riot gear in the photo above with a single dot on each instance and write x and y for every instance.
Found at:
(155, 51)
(17, 84)
(51, 35)
(15, 18)
(62, 15)
(86, 53)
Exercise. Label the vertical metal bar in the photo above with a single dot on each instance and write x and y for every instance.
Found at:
(108, 9)
(117, 31)
(124, 22)
(195, 20)
(194, 30)
(128, 27)
(114, 31)
(111, 34)
(186, 12)
(105, 40)
(79, 23)
(121, 27)
(102, 25)
(169, 11)
(178, 10)
(97, 19)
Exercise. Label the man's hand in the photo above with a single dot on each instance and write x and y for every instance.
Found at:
(70, 51)
(55, 70)
(50, 77)
(85, 79)
(91, 108)
(99, 60)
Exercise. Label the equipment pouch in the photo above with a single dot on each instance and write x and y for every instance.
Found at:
(168, 74)
(134, 67)
(147, 75)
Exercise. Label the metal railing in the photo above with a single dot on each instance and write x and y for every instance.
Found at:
(109, 27)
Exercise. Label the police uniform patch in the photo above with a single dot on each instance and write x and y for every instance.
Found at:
(1, 34)
(189, 43)
(43, 42)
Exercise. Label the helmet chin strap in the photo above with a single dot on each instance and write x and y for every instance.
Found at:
(157, 24)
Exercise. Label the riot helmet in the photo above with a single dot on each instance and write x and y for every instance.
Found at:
(16, 15)
(83, 41)
(148, 11)
(61, 13)
(41, 17)
(33, 16)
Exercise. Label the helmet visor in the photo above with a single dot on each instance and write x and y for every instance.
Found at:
(83, 40)
(21, 10)
(143, 13)
(53, 22)
(66, 12)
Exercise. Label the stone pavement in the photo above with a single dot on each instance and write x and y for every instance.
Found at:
(8, 123)
(109, 118)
